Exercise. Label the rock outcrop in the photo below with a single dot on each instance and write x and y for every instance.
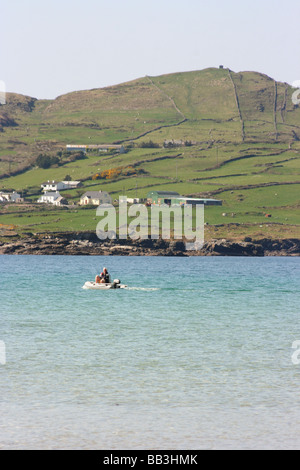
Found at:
(87, 243)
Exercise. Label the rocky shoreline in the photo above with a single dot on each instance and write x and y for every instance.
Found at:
(87, 243)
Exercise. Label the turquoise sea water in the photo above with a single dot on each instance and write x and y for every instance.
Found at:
(195, 354)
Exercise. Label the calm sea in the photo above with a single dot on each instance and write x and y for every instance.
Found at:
(195, 354)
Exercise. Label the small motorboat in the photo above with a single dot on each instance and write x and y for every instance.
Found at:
(116, 284)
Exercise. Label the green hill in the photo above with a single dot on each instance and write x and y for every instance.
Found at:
(234, 136)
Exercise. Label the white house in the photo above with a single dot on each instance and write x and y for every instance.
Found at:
(60, 186)
(4, 197)
(10, 197)
(95, 198)
(52, 197)
(52, 186)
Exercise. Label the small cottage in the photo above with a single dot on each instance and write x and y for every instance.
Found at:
(95, 198)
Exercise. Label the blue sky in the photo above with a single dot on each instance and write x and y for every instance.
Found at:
(48, 48)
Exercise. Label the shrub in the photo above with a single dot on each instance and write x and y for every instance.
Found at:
(45, 161)
(149, 145)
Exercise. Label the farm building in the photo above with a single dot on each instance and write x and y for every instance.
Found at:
(99, 147)
(193, 201)
(162, 197)
(60, 186)
(172, 197)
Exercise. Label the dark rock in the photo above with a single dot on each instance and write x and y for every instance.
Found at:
(87, 243)
(177, 245)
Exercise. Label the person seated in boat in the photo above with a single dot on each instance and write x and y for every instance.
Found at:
(105, 277)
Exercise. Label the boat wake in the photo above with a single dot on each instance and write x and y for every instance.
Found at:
(147, 289)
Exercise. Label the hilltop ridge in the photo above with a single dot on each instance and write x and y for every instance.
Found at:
(244, 98)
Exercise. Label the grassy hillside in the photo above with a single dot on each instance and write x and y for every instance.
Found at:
(235, 137)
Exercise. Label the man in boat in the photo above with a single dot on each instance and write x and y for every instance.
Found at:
(104, 277)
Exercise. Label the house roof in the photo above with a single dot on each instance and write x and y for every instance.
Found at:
(52, 194)
(164, 193)
(66, 183)
(93, 194)
(70, 182)
(182, 198)
(93, 146)
(3, 193)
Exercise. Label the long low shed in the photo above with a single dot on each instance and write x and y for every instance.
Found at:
(205, 201)
(172, 197)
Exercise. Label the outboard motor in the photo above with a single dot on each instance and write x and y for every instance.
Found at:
(116, 283)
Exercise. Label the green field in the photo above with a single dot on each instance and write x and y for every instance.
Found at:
(234, 136)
